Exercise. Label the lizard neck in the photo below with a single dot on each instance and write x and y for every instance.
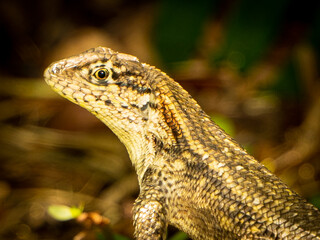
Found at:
(183, 125)
(136, 139)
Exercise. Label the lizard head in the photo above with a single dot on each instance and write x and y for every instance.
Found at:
(113, 86)
(107, 83)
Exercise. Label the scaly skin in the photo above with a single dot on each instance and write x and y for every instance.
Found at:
(191, 173)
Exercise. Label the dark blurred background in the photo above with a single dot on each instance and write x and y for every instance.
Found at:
(252, 66)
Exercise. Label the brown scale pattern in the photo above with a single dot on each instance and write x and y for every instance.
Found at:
(191, 173)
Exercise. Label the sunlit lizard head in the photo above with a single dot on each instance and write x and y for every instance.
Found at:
(107, 83)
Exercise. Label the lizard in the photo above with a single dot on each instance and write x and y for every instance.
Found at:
(191, 174)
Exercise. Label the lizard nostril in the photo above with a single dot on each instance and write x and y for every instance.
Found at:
(53, 70)
(56, 68)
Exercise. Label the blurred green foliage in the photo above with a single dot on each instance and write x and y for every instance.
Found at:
(179, 27)
(315, 200)
(119, 237)
(250, 31)
(179, 236)
(315, 35)
(64, 213)
(287, 84)
(225, 123)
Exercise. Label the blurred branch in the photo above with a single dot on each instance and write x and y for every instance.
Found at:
(26, 88)
(61, 167)
(306, 144)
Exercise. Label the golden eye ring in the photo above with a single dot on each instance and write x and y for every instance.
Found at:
(101, 74)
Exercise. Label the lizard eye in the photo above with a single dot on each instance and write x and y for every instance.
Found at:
(101, 74)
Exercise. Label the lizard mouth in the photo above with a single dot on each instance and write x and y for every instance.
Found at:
(48, 76)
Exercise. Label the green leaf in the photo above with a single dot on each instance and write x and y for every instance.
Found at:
(63, 212)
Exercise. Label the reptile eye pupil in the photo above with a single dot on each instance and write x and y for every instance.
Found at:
(102, 74)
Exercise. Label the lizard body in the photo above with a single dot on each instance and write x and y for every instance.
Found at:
(191, 173)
